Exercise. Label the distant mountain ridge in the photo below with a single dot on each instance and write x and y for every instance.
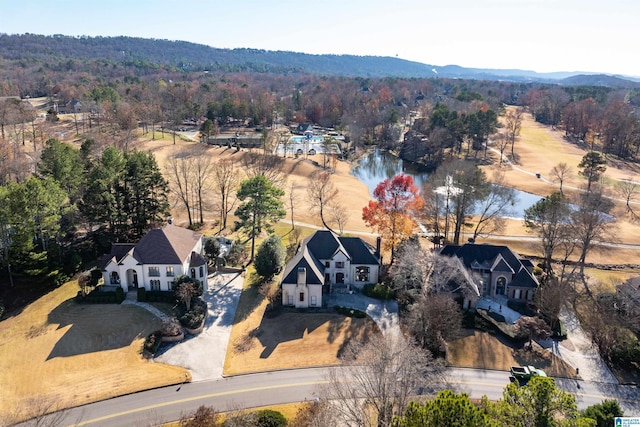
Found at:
(192, 56)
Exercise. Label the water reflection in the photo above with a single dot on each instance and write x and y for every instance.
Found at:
(378, 165)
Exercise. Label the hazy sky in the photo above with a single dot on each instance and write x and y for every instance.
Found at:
(539, 35)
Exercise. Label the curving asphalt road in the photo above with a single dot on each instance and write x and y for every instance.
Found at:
(279, 387)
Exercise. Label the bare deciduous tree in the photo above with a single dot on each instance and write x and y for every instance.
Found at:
(319, 413)
(492, 210)
(501, 142)
(321, 192)
(268, 165)
(627, 189)
(379, 380)
(202, 171)
(339, 215)
(512, 125)
(591, 221)
(179, 172)
(225, 181)
(560, 172)
(534, 328)
(434, 319)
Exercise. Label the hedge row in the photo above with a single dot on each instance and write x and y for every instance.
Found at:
(156, 296)
(378, 291)
(97, 296)
(350, 312)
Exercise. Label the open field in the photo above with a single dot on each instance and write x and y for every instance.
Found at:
(66, 354)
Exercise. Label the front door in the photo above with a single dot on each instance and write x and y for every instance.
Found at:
(135, 279)
(340, 278)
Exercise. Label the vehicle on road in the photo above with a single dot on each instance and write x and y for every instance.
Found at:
(524, 373)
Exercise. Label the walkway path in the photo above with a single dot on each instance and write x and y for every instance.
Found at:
(132, 299)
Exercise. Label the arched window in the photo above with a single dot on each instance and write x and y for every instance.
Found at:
(201, 271)
(193, 273)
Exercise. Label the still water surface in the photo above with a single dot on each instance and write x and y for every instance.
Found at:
(378, 165)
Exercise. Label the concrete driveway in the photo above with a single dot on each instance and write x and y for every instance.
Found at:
(204, 354)
(384, 313)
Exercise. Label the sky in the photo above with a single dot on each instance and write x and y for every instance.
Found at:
(537, 35)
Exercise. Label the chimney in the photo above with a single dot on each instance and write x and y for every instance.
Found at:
(378, 240)
(302, 276)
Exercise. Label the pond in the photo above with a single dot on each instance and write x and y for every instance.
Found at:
(378, 165)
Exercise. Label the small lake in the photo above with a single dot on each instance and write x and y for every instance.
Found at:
(378, 165)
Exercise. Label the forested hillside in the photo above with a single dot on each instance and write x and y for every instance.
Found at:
(62, 52)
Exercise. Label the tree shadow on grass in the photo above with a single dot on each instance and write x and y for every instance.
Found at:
(98, 327)
(291, 326)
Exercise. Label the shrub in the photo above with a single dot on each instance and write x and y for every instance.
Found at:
(170, 327)
(350, 312)
(153, 341)
(559, 331)
(142, 294)
(119, 295)
(161, 296)
(378, 291)
(522, 307)
(237, 255)
(270, 256)
(270, 418)
(193, 318)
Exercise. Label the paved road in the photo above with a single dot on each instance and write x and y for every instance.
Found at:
(269, 388)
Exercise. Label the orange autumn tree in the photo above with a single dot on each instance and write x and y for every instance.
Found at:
(392, 213)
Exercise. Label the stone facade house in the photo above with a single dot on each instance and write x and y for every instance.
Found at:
(497, 270)
(325, 261)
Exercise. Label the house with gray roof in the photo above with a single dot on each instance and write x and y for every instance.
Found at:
(325, 260)
(156, 260)
(498, 271)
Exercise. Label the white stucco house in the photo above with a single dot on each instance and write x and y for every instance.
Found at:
(325, 260)
(156, 260)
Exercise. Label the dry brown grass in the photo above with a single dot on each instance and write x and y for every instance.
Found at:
(56, 350)
(485, 351)
(288, 340)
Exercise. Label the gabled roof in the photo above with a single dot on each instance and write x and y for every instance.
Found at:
(359, 251)
(167, 245)
(524, 279)
(197, 260)
(118, 251)
(315, 270)
(323, 244)
(471, 252)
(500, 258)
(499, 264)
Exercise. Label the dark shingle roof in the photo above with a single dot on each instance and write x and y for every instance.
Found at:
(315, 270)
(197, 260)
(322, 244)
(118, 251)
(470, 252)
(359, 251)
(524, 279)
(502, 258)
(167, 245)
